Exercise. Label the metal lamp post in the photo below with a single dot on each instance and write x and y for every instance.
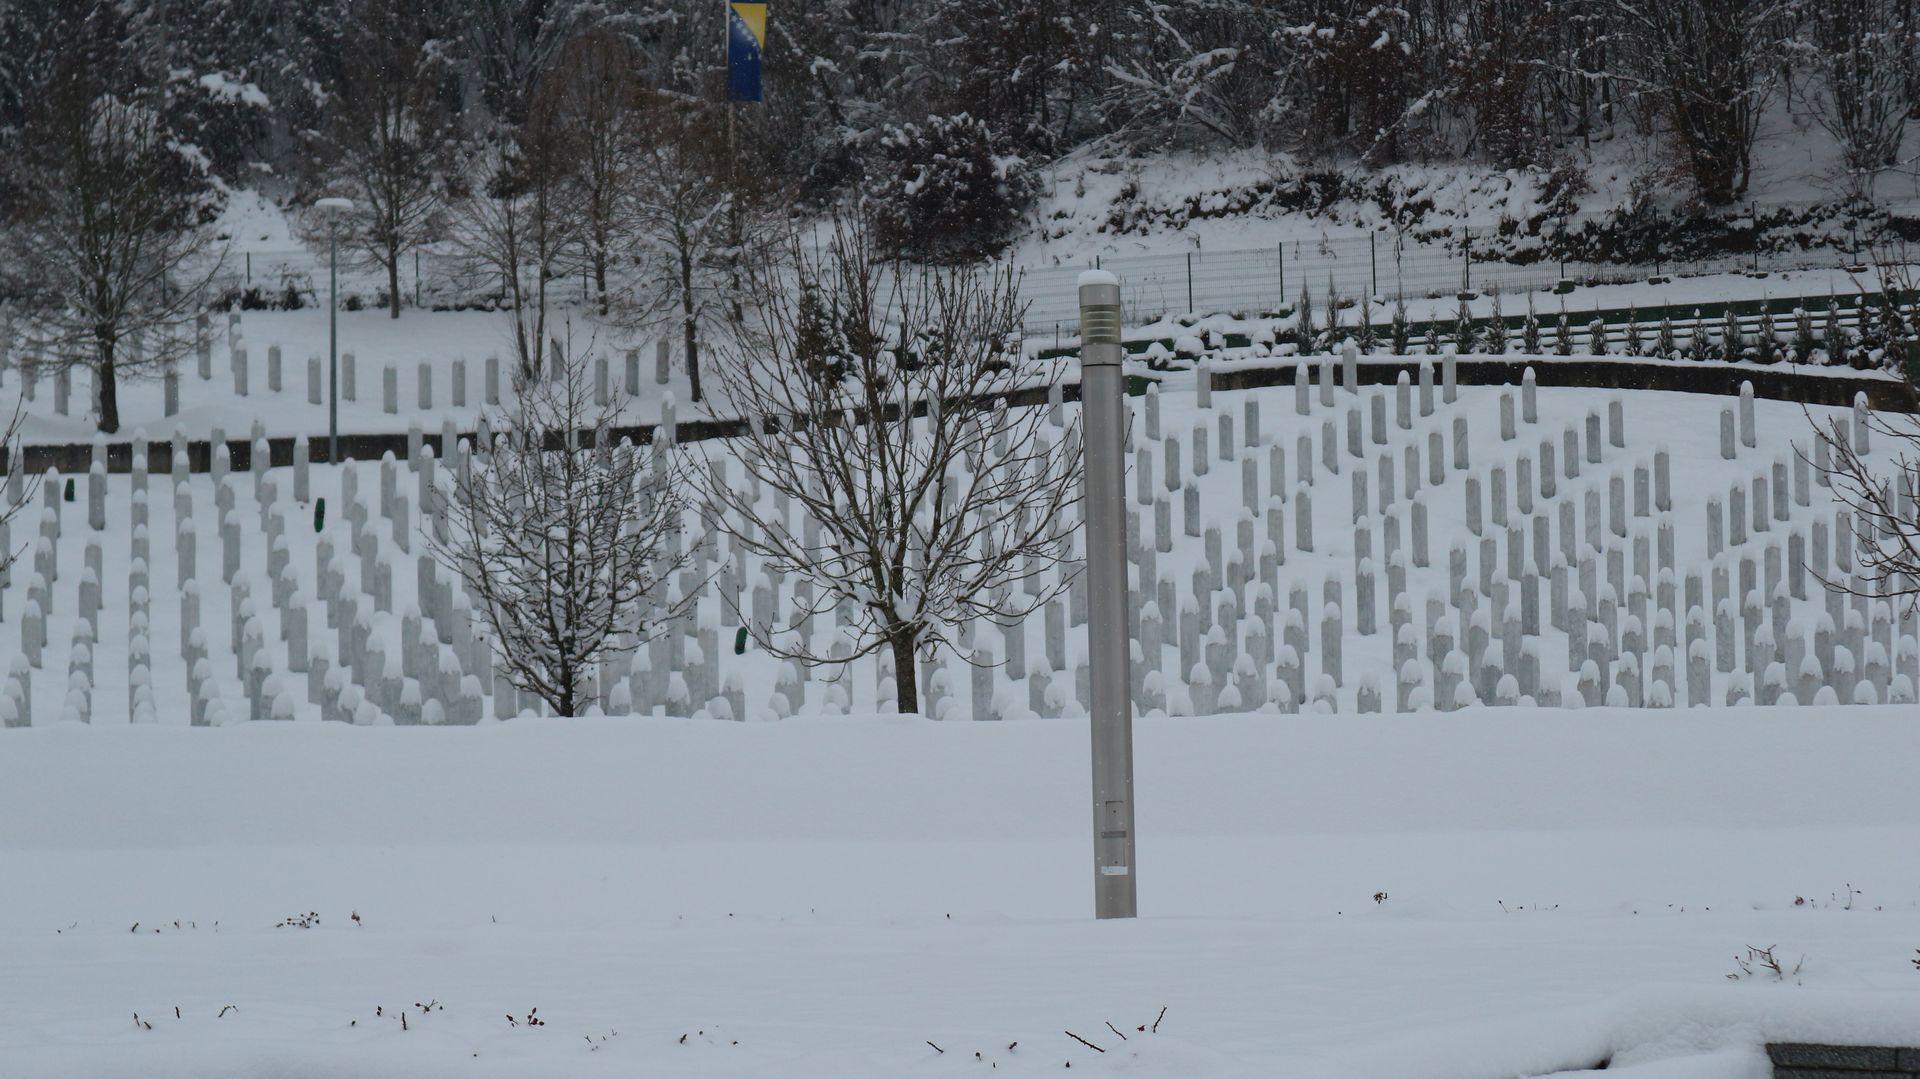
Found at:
(1103, 421)
(331, 210)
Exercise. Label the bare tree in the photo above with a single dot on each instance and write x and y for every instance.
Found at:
(1880, 489)
(1881, 486)
(389, 140)
(516, 227)
(1707, 68)
(1864, 52)
(105, 241)
(596, 90)
(564, 538)
(13, 502)
(690, 226)
(871, 393)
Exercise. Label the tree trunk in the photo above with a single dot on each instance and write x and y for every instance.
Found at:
(107, 391)
(689, 324)
(393, 284)
(905, 670)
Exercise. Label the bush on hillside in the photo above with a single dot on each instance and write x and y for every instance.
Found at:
(946, 190)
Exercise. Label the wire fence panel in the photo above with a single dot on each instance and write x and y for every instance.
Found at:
(1387, 265)
(1254, 281)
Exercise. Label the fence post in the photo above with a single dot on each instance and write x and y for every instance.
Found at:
(1190, 283)
(1280, 256)
(416, 277)
(1753, 215)
(1466, 250)
(1373, 264)
(1563, 252)
(249, 267)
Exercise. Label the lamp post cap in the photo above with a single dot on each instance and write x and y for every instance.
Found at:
(333, 205)
(1097, 277)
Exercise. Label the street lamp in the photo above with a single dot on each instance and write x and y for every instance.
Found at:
(331, 210)
(1103, 423)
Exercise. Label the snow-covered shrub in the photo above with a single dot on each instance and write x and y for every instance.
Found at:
(1699, 343)
(1364, 334)
(1530, 330)
(947, 190)
(1464, 334)
(1838, 341)
(1303, 330)
(1733, 342)
(1766, 345)
(1804, 340)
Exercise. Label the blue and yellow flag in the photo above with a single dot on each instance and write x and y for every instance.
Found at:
(746, 36)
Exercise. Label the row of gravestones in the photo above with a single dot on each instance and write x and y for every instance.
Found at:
(1058, 687)
(30, 363)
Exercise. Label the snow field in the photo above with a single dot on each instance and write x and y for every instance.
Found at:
(1323, 547)
(1558, 889)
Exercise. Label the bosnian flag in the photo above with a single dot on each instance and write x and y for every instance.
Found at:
(746, 36)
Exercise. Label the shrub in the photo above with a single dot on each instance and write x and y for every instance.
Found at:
(1402, 331)
(946, 190)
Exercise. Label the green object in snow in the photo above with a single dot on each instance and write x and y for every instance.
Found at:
(69, 488)
(740, 642)
(319, 514)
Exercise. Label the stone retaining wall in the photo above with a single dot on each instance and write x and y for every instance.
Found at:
(1795, 1060)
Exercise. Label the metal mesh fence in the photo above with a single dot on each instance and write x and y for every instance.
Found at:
(1250, 281)
(1246, 281)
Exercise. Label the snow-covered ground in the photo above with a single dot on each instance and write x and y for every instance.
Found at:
(823, 898)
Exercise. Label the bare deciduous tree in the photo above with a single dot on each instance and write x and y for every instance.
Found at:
(595, 91)
(516, 227)
(390, 138)
(690, 226)
(1864, 52)
(1707, 69)
(1880, 483)
(564, 539)
(105, 241)
(1880, 489)
(12, 502)
(922, 503)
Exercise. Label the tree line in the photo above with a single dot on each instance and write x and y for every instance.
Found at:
(541, 138)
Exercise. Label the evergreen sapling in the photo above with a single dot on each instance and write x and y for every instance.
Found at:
(1838, 342)
(1401, 330)
(1804, 341)
(1303, 331)
(1699, 342)
(1733, 343)
(1464, 335)
(1766, 342)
